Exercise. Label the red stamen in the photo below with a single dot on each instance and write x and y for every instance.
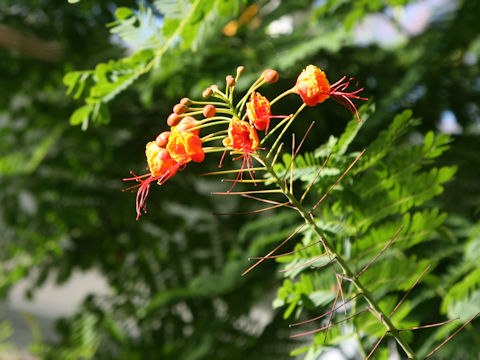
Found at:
(145, 181)
(337, 91)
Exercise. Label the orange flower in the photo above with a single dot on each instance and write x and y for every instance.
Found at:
(313, 87)
(185, 146)
(159, 160)
(181, 148)
(259, 113)
(162, 167)
(241, 137)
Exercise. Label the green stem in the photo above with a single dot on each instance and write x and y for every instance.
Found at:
(214, 134)
(290, 121)
(213, 138)
(214, 103)
(208, 124)
(291, 91)
(228, 103)
(310, 221)
(254, 87)
(357, 335)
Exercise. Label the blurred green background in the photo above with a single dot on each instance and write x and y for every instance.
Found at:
(172, 283)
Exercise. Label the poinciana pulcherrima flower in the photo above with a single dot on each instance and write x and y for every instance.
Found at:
(184, 146)
(259, 112)
(162, 167)
(242, 137)
(173, 149)
(163, 162)
(313, 87)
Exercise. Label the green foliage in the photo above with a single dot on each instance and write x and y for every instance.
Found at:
(356, 10)
(463, 281)
(62, 209)
(5, 332)
(138, 29)
(388, 190)
(81, 340)
(176, 24)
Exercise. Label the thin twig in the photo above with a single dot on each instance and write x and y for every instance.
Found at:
(280, 147)
(247, 181)
(376, 345)
(304, 137)
(287, 253)
(451, 336)
(339, 282)
(275, 249)
(429, 325)
(246, 192)
(292, 162)
(325, 314)
(380, 253)
(254, 211)
(306, 263)
(266, 200)
(328, 326)
(409, 290)
(314, 179)
(330, 318)
(232, 171)
(339, 179)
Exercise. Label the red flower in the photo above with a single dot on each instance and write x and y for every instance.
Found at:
(182, 147)
(258, 111)
(162, 167)
(185, 146)
(313, 87)
(242, 137)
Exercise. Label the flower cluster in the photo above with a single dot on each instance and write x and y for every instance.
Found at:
(235, 127)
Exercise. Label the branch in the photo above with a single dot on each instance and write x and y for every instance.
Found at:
(311, 223)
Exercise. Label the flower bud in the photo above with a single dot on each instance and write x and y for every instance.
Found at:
(173, 119)
(207, 92)
(240, 70)
(186, 124)
(230, 80)
(270, 75)
(180, 109)
(214, 88)
(209, 111)
(162, 139)
(186, 101)
(163, 154)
